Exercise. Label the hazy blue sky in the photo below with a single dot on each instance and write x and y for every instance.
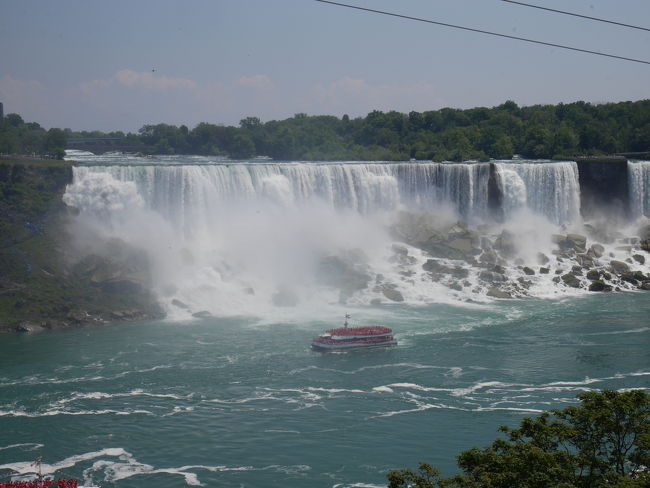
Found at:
(88, 64)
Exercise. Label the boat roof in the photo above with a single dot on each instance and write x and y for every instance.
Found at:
(353, 331)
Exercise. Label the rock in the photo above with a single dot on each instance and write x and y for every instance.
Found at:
(492, 277)
(496, 293)
(596, 250)
(598, 285)
(179, 304)
(645, 286)
(459, 272)
(639, 258)
(577, 242)
(576, 270)
(544, 270)
(528, 271)
(640, 276)
(629, 278)
(506, 243)
(28, 327)
(392, 293)
(542, 258)
(463, 245)
(557, 238)
(497, 268)
(435, 266)
(618, 267)
(203, 314)
(375, 301)
(489, 257)
(524, 282)
(399, 249)
(593, 274)
(455, 286)
(571, 280)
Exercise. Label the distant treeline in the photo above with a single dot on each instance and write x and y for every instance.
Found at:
(20, 137)
(540, 131)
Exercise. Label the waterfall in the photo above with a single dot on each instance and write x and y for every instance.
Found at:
(547, 189)
(178, 191)
(245, 237)
(639, 187)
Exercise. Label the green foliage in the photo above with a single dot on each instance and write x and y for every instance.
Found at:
(604, 441)
(448, 134)
(20, 137)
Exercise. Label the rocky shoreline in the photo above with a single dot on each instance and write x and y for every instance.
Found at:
(487, 262)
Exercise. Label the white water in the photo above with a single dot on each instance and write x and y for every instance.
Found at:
(549, 189)
(238, 238)
(639, 186)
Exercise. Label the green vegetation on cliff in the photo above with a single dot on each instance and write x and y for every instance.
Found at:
(41, 284)
(605, 441)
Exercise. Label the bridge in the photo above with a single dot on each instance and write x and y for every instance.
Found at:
(100, 145)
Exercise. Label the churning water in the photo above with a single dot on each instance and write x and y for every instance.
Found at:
(239, 399)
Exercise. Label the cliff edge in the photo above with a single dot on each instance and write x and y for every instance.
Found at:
(42, 284)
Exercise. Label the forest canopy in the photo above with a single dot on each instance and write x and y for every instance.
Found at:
(448, 134)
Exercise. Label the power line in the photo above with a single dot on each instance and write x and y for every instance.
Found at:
(418, 19)
(578, 15)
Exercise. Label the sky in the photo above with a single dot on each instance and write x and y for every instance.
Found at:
(121, 64)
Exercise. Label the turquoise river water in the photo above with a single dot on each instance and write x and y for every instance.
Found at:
(235, 402)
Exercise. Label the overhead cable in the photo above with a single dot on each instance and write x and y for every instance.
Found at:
(418, 19)
(578, 15)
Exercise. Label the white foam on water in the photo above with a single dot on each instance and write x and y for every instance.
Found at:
(249, 239)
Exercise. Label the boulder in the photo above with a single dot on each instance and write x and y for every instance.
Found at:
(645, 286)
(391, 292)
(492, 277)
(544, 270)
(463, 245)
(179, 304)
(435, 266)
(596, 250)
(598, 285)
(29, 327)
(571, 280)
(639, 258)
(528, 270)
(203, 314)
(455, 286)
(506, 243)
(489, 257)
(496, 293)
(618, 267)
(593, 274)
(577, 242)
(542, 258)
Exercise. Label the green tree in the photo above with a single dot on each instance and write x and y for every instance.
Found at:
(602, 442)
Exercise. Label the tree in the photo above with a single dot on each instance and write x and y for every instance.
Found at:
(55, 142)
(604, 441)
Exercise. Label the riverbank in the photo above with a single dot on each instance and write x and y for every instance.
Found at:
(41, 285)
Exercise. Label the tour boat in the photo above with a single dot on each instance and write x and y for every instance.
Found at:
(42, 482)
(346, 338)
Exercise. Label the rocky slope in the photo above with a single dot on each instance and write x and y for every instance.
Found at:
(42, 285)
